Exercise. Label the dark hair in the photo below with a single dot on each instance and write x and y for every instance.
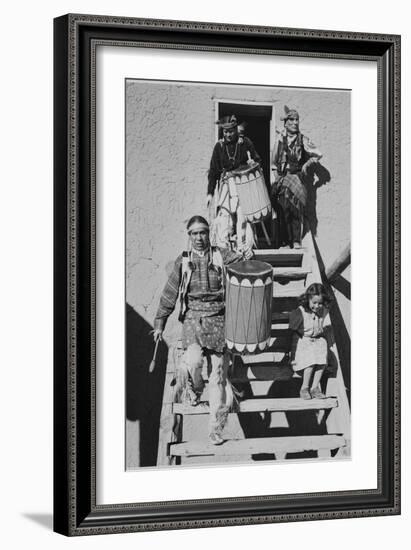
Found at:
(315, 289)
(196, 219)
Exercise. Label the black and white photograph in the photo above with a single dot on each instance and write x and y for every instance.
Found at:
(205, 246)
(238, 274)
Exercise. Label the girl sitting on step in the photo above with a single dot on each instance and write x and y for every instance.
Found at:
(309, 323)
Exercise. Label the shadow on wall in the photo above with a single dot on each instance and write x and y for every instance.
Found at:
(317, 176)
(144, 390)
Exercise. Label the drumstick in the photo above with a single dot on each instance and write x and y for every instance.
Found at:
(250, 161)
(153, 362)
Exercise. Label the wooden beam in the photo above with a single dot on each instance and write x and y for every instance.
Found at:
(279, 252)
(263, 405)
(170, 424)
(340, 264)
(296, 444)
(310, 259)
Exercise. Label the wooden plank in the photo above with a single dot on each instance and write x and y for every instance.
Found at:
(170, 424)
(296, 444)
(263, 405)
(340, 264)
(307, 261)
(175, 352)
(262, 372)
(340, 420)
(290, 272)
(311, 259)
(279, 326)
(272, 252)
(261, 358)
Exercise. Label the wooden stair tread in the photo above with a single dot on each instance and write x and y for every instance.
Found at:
(294, 444)
(290, 272)
(263, 357)
(287, 291)
(261, 380)
(264, 404)
(281, 257)
(280, 326)
(258, 252)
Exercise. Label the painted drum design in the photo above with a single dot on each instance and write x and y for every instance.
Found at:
(252, 192)
(249, 294)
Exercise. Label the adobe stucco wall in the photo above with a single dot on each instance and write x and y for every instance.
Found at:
(170, 133)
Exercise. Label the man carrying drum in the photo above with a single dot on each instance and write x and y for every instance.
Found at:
(232, 152)
(293, 154)
(197, 280)
(229, 153)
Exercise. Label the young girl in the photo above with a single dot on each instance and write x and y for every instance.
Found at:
(310, 350)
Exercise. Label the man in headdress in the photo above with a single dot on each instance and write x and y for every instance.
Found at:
(197, 282)
(229, 153)
(293, 155)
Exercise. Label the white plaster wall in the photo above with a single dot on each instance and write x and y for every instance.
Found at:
(170, 133)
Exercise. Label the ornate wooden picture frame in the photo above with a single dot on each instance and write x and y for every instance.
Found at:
(76, 40)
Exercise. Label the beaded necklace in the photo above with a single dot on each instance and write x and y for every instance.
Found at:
(200, 253)
(232, 158)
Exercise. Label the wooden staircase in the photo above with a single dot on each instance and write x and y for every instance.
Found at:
(271, 421)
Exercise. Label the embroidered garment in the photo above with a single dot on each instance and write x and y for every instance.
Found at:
(289, 159)
(204, 319)
(292, 190)
(229, 156)
(289, 193)
(291, 153)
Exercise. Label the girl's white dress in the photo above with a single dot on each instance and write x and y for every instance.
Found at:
(309, 343)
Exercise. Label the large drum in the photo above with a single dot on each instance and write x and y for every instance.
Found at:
(251, 190)
(249, 295)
